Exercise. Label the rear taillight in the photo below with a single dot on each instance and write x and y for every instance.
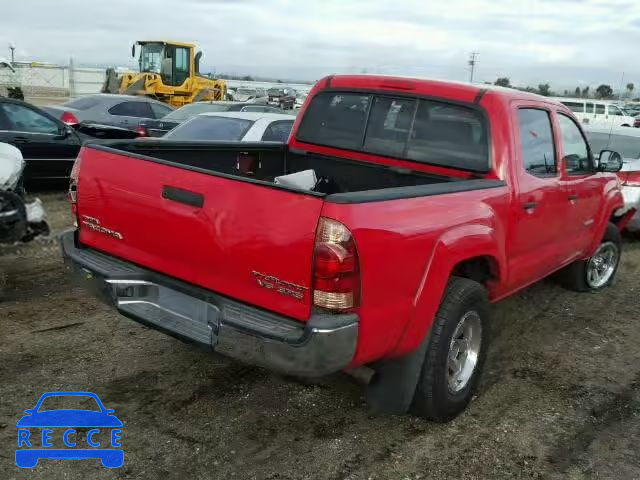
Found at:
(142, 131)
(70, 119)
(72, 195)
(636, 122)
(336, 271)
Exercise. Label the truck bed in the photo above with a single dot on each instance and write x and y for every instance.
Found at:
(336, 175)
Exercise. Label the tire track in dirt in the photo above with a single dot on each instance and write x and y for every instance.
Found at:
(608, 415)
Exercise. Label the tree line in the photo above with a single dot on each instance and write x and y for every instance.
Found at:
(603, 91)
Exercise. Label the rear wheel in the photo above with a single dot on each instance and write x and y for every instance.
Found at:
(456, 352)
(599, 270)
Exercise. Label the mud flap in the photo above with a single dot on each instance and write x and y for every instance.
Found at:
(391, 389)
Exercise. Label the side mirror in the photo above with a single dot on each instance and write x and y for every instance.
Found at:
(133, 50)
(65, 131)
(609, 161)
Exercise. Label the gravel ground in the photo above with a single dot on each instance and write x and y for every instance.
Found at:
(560, 396)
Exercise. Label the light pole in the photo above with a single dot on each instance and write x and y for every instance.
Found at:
(472, 64)
(12, 47)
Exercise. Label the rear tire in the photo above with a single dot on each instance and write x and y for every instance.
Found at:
(598, 271)
(456, 352)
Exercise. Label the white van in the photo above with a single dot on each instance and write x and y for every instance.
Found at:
(599, 113)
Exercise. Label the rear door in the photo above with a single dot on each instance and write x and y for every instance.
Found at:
(212, 231)
(537, 241)
(47, 147)
(584, 187)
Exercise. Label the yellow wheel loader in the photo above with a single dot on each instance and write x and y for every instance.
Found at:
(169, 72)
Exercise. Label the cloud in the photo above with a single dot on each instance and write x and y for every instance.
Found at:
(560, 41)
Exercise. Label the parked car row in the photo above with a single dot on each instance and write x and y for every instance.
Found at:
(626, 141)
(50, 138)
(599, 113)
(157, 128)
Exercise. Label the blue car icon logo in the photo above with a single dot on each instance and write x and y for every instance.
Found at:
(41, 426)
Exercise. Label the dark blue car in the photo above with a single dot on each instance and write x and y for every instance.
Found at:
(98, 417)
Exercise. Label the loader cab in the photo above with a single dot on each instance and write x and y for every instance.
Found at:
(174, 62)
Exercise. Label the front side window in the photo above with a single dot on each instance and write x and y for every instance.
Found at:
(151, 56)
(536, 142)
(23, 119)
(613, 110)
(132, 109)
(205, 127)
(576, 153)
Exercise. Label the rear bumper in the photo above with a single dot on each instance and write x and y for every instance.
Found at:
(324, 344)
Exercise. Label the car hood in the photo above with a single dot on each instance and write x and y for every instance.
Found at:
(69, 418)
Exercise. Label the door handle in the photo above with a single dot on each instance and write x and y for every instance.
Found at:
(179, 195)
(573, 197)
(530, 205)
(21, 140)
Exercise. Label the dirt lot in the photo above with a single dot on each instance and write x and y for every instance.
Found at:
(560, 397)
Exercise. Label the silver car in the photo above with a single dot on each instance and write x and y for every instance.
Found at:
(107, 109)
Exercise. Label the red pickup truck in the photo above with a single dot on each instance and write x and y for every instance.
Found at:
(430, 200)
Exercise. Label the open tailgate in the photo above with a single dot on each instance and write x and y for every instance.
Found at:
(220, 233)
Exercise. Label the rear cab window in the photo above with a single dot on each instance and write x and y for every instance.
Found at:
(426, 131)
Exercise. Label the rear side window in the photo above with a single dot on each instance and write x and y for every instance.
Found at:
(205, 128)
(132, 109)
(335, 119)
(599, 109)
(536, 141)
(278, 131)
(160, 110)
(425, 131)
(577, 107)
(83, 103)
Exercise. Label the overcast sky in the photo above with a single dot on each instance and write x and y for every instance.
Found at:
(565, 42)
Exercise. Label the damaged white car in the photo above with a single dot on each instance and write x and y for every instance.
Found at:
(19, 220)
